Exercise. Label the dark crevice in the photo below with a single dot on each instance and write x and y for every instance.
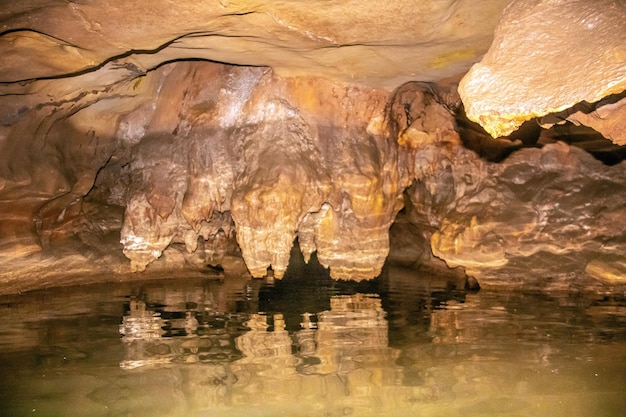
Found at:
(114, 58)
(583, 107)
(531, 135)
(64, 42)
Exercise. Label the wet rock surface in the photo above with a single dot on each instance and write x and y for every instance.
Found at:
(529, 213)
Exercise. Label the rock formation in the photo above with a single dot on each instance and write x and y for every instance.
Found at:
(528, 212)
(191, 145)
(539, 64)
(285, 158)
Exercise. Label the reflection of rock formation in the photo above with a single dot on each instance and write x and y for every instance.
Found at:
(342, 361)
(185, 328)
(267, 372)
(141, 331)
(258, 343)
(351, 339)
(141, 324)
(483, 347)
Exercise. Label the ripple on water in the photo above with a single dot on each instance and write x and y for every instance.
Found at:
(392, 346)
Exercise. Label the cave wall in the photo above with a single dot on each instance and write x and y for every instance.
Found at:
(245, 154)
(141, 153)
(199, 155)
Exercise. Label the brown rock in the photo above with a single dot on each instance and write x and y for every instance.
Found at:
(529, 210)
(384, 44)
(286, 158)
(116, 129)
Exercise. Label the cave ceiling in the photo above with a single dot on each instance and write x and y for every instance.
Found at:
(159, 136)
(382, 44)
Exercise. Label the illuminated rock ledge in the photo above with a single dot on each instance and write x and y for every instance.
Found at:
(547, 57)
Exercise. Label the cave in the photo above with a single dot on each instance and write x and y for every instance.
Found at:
(302, 156)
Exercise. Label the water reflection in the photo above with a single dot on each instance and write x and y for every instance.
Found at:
(141, 324)
(149, 339)
(351, 335)
(396, 346)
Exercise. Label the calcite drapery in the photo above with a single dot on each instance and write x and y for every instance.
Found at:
(335, 179)
(286, 158)
(546, 57)
(326, 165)
(282, 179)
(185, 199)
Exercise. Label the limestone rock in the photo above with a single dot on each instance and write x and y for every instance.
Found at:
(310, 169)
(546, 57)
(282, 179)
(378, 43)
(525, 213)
(285, 158)
(119, 136)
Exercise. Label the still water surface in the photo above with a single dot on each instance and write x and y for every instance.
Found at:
(401, 345)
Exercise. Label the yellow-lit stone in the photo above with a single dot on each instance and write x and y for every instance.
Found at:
(452, 57)
(607, 271)
(546, 57)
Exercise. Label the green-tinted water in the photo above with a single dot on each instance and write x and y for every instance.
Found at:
(308, 346)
